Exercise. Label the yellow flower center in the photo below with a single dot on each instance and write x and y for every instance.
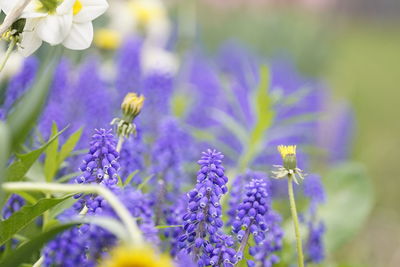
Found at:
(77, 7)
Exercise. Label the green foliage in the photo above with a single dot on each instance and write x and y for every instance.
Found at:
(24, 216)
(55, 158)
(18, 169)
(264, 114)
(5, 148)
(24, 252)
(350, 201)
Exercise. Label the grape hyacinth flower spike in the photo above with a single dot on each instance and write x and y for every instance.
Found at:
(250, 219)
(203, 221)
(290, 170)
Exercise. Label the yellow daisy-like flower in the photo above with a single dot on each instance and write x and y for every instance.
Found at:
(132, 105)
(136, 257)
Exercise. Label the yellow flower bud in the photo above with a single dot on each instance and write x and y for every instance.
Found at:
(132, 105)
(288, 154)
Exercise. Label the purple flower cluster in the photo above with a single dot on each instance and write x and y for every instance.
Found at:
(100, 165)
(315, 245)
(250, 217)
(265, 253)
(314, 190)
(203, 218)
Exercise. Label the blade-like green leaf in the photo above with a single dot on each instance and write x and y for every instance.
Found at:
(50, 163)
(263, 110)
(69, 146)
(24, 252)
(24, 216)
(4, 152)
(130, 177)
(27, 111)
(17, 170)
(108, 223)
(167, 226)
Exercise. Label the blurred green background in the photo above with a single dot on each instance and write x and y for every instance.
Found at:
(355, 48)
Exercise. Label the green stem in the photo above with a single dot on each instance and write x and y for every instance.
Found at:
(121, 211)
(8, 54)
(293, 210)
(121, 140)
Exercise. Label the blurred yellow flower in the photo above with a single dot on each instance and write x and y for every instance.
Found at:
(107, 39)
(136, 257)
(146, 11)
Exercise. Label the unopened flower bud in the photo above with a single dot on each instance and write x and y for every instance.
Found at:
(132, 105)
(288, 154)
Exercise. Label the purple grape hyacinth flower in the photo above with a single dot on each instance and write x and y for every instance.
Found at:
(100, 165)
(203, 218)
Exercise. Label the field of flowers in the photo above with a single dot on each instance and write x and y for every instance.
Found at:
(139, 133)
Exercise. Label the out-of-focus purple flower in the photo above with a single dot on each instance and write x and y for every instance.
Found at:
(18, 84)
(68, 250)
(315, 251)
(336, 131)
(203, 218)
(132, 157)
(14, 203)
(265, 253)
(129, 71)
(314, 189)
(58, 105)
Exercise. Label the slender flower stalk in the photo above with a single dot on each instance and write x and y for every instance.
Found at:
(290, 170)
(130, 224)
(293, 210)
(8, 54)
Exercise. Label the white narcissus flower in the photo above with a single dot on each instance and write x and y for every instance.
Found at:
(57, 21)
(81, 34)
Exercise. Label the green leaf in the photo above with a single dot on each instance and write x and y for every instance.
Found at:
(50, 163)
(17, 170)
(4, 152)
(232, 125)
(350, 200)
(28, 110)
(24, 216)
(69, 146)
(25, 252)
(130, 177)
(264, 114)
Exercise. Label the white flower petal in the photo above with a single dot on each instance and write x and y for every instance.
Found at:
(54, 28)
(65, 7)
(30, 41)
(91, 9)
(29, 12)
(80, 37)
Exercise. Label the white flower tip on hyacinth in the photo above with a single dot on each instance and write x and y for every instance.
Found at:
(155, 59)
(70, 24)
